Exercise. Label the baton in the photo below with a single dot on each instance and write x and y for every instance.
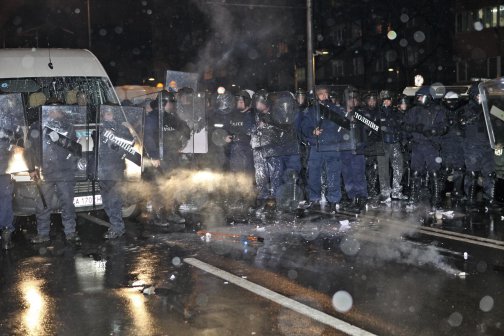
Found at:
(44, 203)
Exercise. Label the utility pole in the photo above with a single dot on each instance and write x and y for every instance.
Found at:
(89, 22)
(309, 46)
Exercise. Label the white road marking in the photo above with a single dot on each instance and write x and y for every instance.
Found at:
(280, 299)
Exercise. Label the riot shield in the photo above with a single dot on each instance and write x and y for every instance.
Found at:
(64, 136)
(191, 108)
(492, 99)
(58, 141)
(118, 153)
(12, 134)
(340, 104)
(284, 108)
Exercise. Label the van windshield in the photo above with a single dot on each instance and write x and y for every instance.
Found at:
(65, 90)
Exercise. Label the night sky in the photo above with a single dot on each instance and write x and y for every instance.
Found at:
(136, 39)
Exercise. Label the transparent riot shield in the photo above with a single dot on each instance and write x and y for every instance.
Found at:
(63, 137)
(118, 150)
(283, 107)
(340, 104)
(282, 120)
(12, 134)
(191, 108)
(492, 99)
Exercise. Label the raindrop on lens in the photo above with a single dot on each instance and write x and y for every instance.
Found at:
(34, 133)
(478, 26)
(253, 54)
(176, 261)
(350, 246)
(28, 61)
(438, 160)
(391, 35)
(419, 36)
(482, 267)
(149, 11)
(77, 11)
(102, 32)
(455, 319)
(320, 37)
(346, 137)
(118, 30)
(292, 274)
(403, 43)
(486, 303)
(342, 301)
(404, 18)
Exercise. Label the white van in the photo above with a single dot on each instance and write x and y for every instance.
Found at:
(44, 75)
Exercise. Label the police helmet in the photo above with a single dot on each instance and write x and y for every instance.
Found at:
(245, 95)
(385, 94)
(225, 102)
(403, 99)
(451, 100)
(260, 96)
(165, 97)
(423, 96)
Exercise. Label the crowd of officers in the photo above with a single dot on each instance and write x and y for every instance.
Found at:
(347, 150)
(330, 150)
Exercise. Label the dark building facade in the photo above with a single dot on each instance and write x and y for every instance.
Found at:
(479, 39)
(375, 45)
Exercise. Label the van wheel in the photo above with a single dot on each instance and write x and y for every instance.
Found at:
(132, 210)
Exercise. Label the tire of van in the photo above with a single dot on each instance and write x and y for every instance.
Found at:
(130, 211)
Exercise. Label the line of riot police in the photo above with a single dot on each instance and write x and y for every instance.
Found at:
(344, 149)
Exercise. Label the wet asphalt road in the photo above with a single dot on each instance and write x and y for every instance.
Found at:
(402, 278)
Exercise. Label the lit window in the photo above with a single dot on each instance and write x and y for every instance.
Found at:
(501, 16)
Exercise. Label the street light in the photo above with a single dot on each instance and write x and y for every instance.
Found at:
(317, 53)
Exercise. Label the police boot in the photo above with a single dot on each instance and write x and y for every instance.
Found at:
(415, 183)
(7, 239)
(174, 217)
(489, 192)
(436, 190)
(372, 180)
(471, 188)
(443, 179)
(356, 205)
(458, 179)
(158, 218)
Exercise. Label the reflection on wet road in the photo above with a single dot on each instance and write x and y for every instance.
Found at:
(382, 271)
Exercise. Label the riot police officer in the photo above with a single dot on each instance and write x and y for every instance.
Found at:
(391, 120)
(426, 123)
(284, 159)
(321, 129)
(374, 146)
(163, 122)
(478, 155)
(262, 136)
(113, 135)
(10, 131)
(452, 150)
(354, 169)
(240, 153)
(58, 164)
